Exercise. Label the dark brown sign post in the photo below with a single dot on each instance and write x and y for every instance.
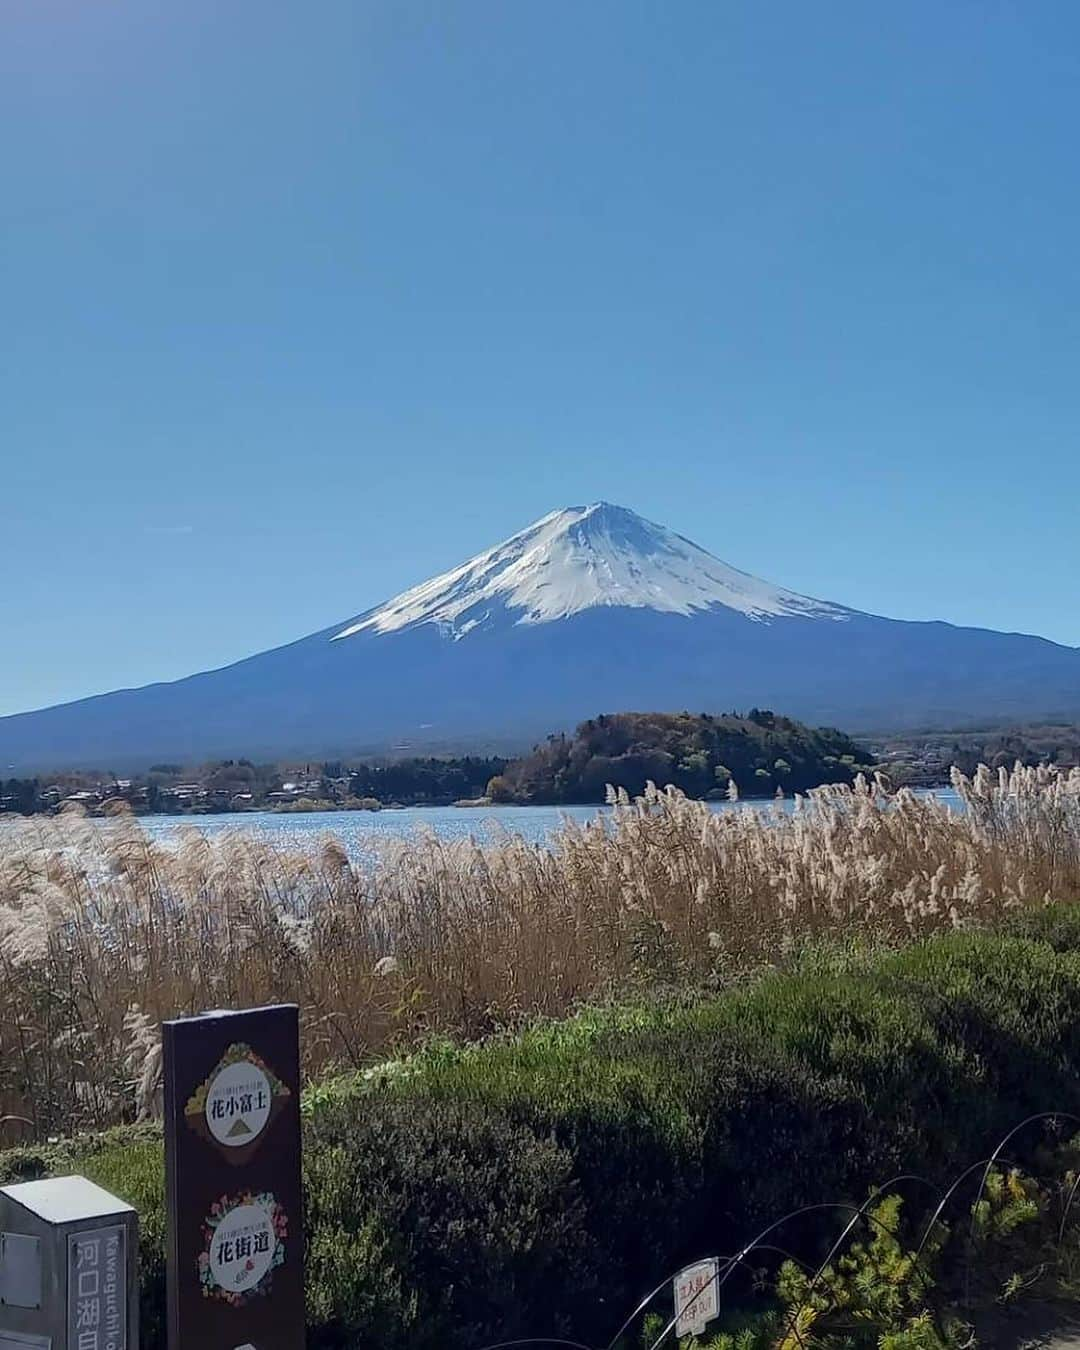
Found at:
(232, 1164)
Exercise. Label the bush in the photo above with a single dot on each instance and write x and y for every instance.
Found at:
(436, 1224)
(134, 1169)
(1056, 925)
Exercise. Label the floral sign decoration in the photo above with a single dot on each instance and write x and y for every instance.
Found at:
(243, 1243)
(237, 1102)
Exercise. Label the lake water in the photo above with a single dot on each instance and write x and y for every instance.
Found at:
(358, 829)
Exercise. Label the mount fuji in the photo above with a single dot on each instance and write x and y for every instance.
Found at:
(591, 609)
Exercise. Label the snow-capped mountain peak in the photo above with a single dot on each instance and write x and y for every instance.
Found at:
(580, 558)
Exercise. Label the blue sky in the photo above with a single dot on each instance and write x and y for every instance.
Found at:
(305, 302)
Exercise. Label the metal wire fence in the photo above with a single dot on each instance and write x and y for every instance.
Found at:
(943, 1204)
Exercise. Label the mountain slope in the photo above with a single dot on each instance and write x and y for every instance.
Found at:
(590, 608)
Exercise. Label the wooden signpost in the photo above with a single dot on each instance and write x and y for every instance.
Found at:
(232, 1162)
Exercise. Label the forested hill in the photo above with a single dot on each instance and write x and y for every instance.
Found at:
(699, 754)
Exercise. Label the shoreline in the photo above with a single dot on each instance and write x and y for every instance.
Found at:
(337, 808)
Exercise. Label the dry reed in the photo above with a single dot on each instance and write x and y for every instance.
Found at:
(104, 932)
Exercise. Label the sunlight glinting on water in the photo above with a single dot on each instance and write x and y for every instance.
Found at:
(358, 829)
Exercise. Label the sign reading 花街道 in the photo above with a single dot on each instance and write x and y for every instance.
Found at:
(232, 1158)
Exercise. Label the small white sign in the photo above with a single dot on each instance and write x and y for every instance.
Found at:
(697, 1297)
(238, 1104)
(243, 1248)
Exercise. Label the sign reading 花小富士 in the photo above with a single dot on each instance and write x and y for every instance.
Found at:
(237, 1102)
(232, 1155)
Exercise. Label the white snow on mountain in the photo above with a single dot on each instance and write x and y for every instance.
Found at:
(577, 559)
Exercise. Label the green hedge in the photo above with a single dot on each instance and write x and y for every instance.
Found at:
(541, 1184)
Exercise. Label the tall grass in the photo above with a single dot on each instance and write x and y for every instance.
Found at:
(105, 932)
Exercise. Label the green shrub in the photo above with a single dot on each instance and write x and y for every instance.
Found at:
(1056, 925)
(133, 1167)
(34, 1161)
(437, 1224)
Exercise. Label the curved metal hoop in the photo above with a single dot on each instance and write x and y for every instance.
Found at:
(1068, 1205)
(944, 1201)
(537, 1340)
(863, 1212)
(857, 1213)
(727, 1265)
(995, 1157)
(664, 1284)
(728, 1262)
